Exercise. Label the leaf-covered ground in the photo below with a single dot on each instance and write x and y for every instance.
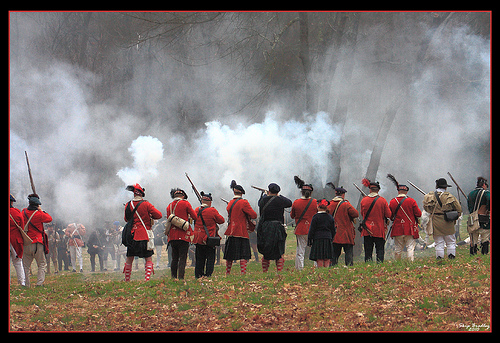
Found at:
(424, 295)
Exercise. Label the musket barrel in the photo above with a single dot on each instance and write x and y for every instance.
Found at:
(29, 173)
(458, 187)
(359, 189)
(198, 195)
(258, 188)
(414, 186)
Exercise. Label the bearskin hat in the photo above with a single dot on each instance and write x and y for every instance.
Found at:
(176, 191)
(301, 184)
(338, 190)
(369, 184)
(396, 183)
(235, 187)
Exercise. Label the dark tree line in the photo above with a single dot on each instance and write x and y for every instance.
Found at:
(186, 68)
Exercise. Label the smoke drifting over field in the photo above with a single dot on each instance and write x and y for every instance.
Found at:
(84, 150)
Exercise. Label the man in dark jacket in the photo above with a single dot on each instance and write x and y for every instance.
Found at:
(271, 232)
(479, 200)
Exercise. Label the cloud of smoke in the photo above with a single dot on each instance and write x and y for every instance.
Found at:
(147, 152)
(83, 150)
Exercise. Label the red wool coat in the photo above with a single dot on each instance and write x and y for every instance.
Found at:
(376, 220)
(16, 239)
(38, 219)
(344, 218)
(237, 225)
(211, 217)
(184, 211)
(75, 234)
(405, 222)
(298, 207)
(146, 211)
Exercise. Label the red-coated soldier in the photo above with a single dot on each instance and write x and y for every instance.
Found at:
(34, 217)
(344, 215)
(375, 228)
(238, 242)
(205, 254)
(303, 209)
(404, 216)
(179, 239)
(141, 222)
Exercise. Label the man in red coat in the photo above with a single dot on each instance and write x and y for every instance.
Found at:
(375, 223)
(16, 241)
(205, 255)
(238, 242)
(344, 215)
(141, 220)
(179, 239)
(34, 217)
(75, 233)
(404, 216)
(303, 209)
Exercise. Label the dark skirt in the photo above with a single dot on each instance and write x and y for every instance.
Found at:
(271, 239)
(322, 249)
(139, 249)
(237, 248)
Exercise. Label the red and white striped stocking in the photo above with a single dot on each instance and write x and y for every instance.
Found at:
(280, 264)
(149, 270)
(243, 267)
(265, 265)
(127, 269)
(229, 264)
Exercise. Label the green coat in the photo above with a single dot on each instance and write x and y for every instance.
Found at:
(440, 226)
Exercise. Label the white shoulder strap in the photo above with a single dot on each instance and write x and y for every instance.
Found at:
(132, 203)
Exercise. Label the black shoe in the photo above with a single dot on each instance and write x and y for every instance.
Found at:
(485, 248)
(451, 256)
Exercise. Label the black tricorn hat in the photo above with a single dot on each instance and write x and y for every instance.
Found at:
(442, 183)
(175, 191)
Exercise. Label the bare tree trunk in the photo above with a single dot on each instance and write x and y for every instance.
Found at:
(398, 101)
(393, 109)
(340, 114)
(305, 58)
(82, 58)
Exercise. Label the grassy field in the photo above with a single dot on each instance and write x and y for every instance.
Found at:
(394, 296)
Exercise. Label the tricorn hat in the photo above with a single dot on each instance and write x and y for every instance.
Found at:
(137, 189)
(442, 183)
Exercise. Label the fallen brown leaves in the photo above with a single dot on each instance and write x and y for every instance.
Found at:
(391, 296)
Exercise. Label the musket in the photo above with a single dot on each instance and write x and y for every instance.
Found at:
(359, 189)
(258, 188)
(194, 188)
(226, 201)
(458, 187)
(29, 172)
(414, 186)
